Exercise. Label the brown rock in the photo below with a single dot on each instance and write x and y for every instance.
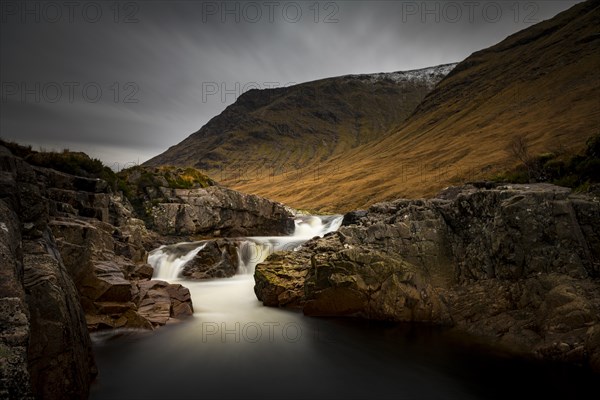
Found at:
(218, 259)
(280, 280)
(159, 301)
(516, 265)
(61, 360)
(592, 343)
(182, 212)
(132, 319)
(180, 310)
(44, 342)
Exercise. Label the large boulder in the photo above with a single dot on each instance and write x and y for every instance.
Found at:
(279, 281)
(184, 203)
(370, 284)
(160, 302)
(515, 264)
(217, 259)
(217, 211)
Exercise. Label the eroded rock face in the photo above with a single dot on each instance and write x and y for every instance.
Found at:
(46, 350)
(61, 361)
(73, 257)
(217, 210)
(15, 326)
(516, 264)
(108, 264)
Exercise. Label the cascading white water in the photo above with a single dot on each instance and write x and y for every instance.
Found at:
(169, 261)
(234, 347)
(310, 226)
(255, 250)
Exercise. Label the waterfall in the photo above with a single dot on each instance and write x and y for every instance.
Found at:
(254, 250)
(310, 226)
(168, 261)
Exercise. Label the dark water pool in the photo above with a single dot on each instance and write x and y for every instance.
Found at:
(234, 348)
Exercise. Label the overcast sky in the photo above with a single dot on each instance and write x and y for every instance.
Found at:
(123, 81)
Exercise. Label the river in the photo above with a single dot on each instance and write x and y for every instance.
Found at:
(233, 347)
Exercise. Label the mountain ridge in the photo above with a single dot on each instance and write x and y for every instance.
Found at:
(541, 83)
(332, 148)
(329, 115)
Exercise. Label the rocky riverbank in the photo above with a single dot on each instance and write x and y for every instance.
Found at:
(516, 265)
(74, 260)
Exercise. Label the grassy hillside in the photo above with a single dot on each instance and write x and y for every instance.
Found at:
(272, 131)
(541, 83)
(578, 171)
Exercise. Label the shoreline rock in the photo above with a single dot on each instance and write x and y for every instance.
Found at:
(75, 260)
(517, 265)
(46, 348)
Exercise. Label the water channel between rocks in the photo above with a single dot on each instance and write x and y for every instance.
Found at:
(234, 347)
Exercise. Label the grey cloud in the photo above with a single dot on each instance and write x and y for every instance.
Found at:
(171, 54)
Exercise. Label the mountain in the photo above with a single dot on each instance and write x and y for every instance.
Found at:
(273, 131)
(345, 143)
(541, 84)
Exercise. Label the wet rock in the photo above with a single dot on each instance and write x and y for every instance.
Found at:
(218, 259)
(160, 302)
(280, 283)
(514, 264)
(43, 333)
(15, 326)
(60, 353)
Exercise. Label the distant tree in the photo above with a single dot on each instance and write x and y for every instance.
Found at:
(518, 148)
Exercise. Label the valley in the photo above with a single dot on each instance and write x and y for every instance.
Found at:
(541, 83)
(428, 233)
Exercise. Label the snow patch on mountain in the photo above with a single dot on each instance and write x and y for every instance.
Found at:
(431, 75)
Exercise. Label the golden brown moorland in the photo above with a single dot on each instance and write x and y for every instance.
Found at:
(541, 83)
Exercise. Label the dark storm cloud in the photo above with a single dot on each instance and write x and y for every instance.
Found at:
(128, 82)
